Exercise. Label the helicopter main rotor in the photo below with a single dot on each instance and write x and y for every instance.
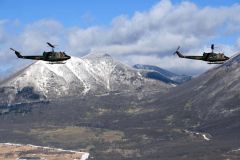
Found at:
(212, 47)
(52, 46)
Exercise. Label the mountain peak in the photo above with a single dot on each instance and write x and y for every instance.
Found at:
(94, 74)
(94, 55)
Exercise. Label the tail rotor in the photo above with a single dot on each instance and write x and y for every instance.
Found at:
(178, 53)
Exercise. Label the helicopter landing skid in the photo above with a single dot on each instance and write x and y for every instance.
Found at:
(56, 62)
(215, 62)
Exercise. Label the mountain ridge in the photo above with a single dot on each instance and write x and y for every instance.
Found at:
(155, 72)
(92, 74)
(213, 98)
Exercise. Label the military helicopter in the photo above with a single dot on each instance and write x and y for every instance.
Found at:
(210, 57)
(52, 56)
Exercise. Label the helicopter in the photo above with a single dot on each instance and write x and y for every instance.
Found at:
(51, 56)
(211, 57)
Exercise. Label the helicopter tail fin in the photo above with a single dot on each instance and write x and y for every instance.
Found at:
(178, 53)
(18, 54)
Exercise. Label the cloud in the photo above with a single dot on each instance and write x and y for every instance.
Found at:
(158, 30)
(2, 31)
(2, 36)
(35, 35)
(29, 40)
(148, 37)
(171, 62)
(152, 36)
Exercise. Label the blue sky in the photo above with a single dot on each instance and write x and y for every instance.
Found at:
(89, 12)
(83, 12)
(71, 12)
(133, 31)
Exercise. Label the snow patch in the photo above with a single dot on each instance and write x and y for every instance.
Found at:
(84, 156)
(235, 150)
(205, 136)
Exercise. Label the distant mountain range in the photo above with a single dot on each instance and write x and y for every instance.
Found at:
(158, 73)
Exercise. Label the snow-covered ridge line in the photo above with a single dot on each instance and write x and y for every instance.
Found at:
(85, 155)
(235, 150)
(78, 77)
(205, 136)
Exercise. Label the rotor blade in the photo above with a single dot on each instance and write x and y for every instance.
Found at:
(176, 50)
(212, 46)
(13, 49)
(50, 45)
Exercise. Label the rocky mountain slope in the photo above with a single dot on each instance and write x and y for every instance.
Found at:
(93, 74)
(210, 102)
(158, 73)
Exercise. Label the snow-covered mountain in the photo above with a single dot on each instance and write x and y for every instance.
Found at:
(158, 73)
(92, 74)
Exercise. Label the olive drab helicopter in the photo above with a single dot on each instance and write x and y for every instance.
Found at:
(51, 56)
(210, 57)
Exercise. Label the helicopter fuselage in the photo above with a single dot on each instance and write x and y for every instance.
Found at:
(214, 57)
(51, 56)
(55, 56)
(211, 57)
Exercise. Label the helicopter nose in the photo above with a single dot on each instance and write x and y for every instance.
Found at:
(68, 57)
(226, 57)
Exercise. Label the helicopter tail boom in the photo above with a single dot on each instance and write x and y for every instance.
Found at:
(18, 54)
